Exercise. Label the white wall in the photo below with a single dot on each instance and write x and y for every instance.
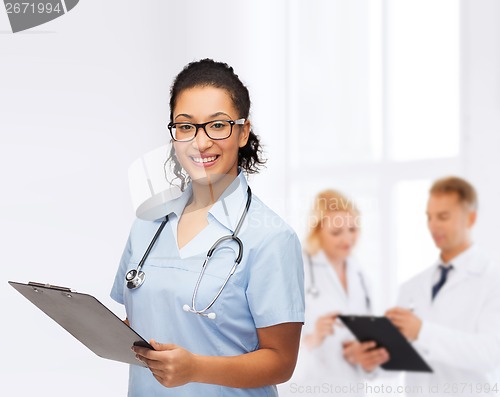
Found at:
(481, 113)
(80, 99)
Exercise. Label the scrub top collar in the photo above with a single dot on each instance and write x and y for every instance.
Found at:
(176, 206)
(226, 210)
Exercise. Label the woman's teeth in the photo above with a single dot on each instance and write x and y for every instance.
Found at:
(204, 160)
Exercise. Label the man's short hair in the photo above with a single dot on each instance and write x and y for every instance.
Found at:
(466, 193)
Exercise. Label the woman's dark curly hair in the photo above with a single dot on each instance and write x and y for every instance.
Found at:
(208, 72)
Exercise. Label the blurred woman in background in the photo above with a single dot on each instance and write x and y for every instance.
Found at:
(334, 284)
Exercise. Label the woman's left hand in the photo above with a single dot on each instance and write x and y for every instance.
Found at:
(170, 364)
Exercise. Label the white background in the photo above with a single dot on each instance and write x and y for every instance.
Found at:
(405, 91)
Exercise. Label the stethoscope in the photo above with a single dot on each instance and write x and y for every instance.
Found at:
(135, 277)
(313, 288)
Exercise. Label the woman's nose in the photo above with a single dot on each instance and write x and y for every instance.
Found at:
(202, 141)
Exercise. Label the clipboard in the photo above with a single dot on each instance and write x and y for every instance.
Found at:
(403, 357)
(87, 319)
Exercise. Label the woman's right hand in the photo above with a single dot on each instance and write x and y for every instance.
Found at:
(323, 328)
(170, 364)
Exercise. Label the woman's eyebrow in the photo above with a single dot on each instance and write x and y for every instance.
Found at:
(188, 116)
(184, 115)
(219, 114)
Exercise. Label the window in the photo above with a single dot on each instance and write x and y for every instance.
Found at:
(374, 112)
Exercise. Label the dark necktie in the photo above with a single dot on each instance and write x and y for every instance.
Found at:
(444, 274)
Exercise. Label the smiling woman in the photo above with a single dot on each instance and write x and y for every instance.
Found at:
(213, 154)
(249, 285)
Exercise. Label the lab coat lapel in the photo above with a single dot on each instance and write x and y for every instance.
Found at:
(465, 268)
(332, 275)
(425, 291)
(416, 294)
(358, 290)
(458, 278)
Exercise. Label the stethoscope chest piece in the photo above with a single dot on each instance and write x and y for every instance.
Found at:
(135, 278)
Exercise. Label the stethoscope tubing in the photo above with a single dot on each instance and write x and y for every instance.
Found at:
(152, 243)
(135, 277)
(204, 266)
(212, 249)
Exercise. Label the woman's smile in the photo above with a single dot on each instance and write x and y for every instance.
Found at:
(204, 160)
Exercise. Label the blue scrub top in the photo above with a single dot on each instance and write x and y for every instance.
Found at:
(266, 289)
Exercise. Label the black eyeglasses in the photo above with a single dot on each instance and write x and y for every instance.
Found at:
(216, 129)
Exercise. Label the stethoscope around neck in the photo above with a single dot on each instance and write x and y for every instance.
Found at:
(135, 277)
(313, 288)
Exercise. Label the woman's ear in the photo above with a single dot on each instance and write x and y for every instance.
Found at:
(244, 133)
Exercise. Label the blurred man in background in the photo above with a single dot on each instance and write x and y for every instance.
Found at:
(451, 311)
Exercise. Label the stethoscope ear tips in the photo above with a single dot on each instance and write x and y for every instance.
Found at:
(188, 308)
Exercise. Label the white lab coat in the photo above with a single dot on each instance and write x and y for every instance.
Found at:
(323, 370)
(460, 334)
